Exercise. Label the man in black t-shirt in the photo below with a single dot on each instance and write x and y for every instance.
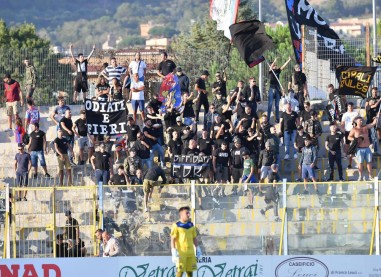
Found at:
(37, 147)
(372, 106)
(275, 93)
(80, 83)
(306, 113)
(132, 132)
(66, 125)
(237, 162)
(301, 136)
(120, 178)
(80, 130)
(191, 149)
(143, 148)
(299, 85)
(288, 123)
(22, 168)
(175, 145)
(166, 66)
(102, 163)
(202, 96)
(150, 181)
(183, 80)
(71, 230)
(205, 143)
(62, 146)
(252, 94)
(220, 84)
(152, 133)
(333, 145)
(221, 164)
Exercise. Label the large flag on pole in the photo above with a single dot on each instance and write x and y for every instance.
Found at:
(330, 47)
(355, 80)
(225, 13)
(251, 41)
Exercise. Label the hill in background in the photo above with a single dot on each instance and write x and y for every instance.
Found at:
(85, 22)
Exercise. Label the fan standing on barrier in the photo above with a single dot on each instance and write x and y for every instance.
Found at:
(183, 242)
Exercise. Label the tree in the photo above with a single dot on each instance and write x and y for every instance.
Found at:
(22, 41)
(162, 31)
(131, 41)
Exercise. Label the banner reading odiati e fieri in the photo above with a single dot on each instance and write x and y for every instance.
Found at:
(106, 118)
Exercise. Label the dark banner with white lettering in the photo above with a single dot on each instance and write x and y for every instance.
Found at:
(106, 118)
(189, 166)
(355, 80)
(329, 45)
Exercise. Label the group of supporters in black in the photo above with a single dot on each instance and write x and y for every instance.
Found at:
(244, 148)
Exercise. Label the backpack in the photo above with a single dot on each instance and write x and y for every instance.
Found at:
(25, 139)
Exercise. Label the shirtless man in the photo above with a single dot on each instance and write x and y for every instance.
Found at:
(363, 152)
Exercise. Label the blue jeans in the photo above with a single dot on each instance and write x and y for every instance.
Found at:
(373, 135)
(289, 140)
(37, 156)
(274, 94)
(159, 149)
(102, 175)
(147, 162)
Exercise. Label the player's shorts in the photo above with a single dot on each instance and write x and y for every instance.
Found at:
(83, 142)
(187, 264)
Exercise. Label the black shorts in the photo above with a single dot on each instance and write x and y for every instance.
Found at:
(237, 174)
(81, 85)
(347, 141)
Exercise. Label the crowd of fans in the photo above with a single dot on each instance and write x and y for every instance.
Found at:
(244, 147)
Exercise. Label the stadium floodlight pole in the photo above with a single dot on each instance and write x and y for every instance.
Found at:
(260, 65)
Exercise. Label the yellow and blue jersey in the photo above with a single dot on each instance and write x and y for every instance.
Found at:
(184, 233)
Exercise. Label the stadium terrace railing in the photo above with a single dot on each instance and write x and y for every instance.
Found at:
(343, 219)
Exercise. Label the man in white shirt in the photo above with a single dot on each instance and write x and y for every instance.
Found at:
(347, 125)
(137, 96)
(138, 66)
(111, 245)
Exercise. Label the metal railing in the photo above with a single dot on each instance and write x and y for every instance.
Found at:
(342, 219)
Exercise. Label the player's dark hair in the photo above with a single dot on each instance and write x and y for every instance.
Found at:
(80, 54)
(184, 208)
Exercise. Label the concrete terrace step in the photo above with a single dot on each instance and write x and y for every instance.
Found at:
(294, 214)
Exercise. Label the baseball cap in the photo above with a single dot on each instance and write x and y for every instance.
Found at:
(205, 72)
(179, 69)
(178, 119)
(67, 213)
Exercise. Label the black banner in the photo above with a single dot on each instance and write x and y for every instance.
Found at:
(300, 12)
(251, 41)
(189, 166)
(106, 118)
(355, 80)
